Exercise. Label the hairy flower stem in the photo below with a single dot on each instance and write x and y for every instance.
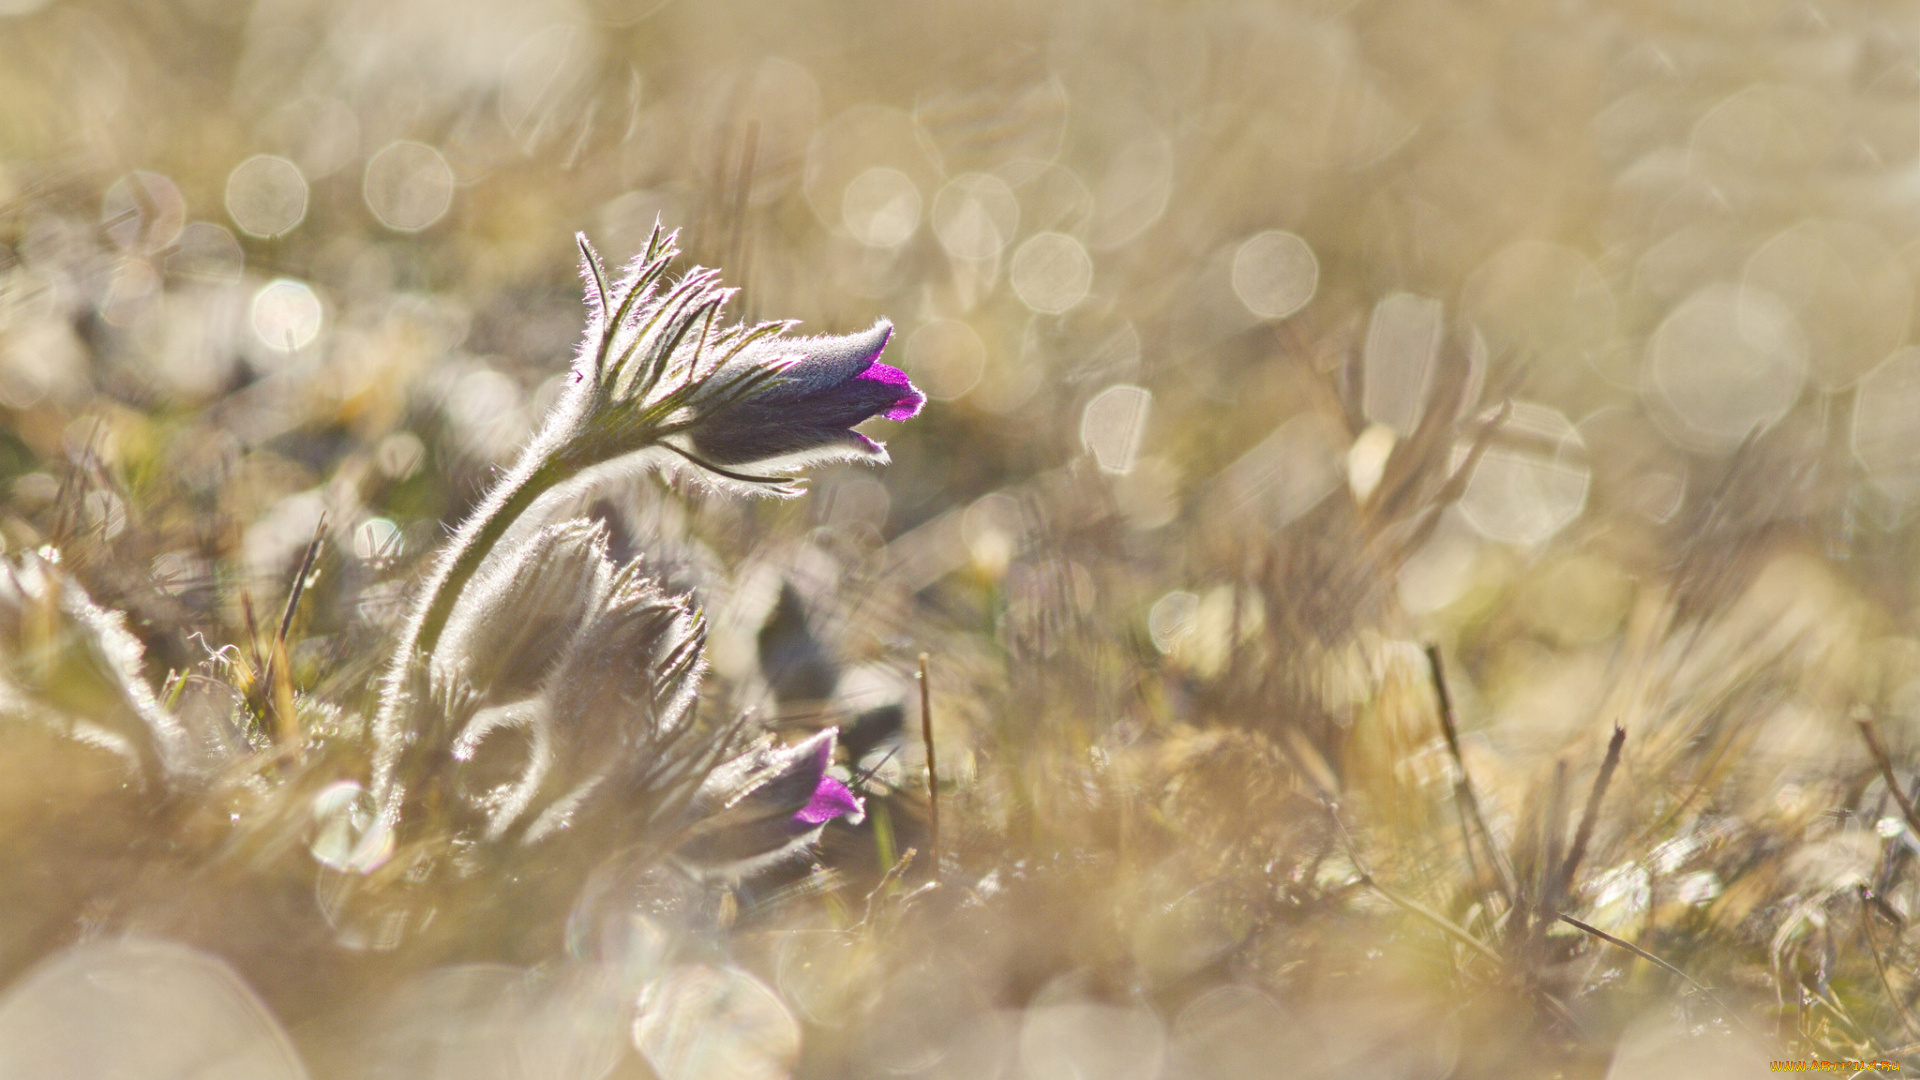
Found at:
(556, 455)
(470, 547)
(541, 467)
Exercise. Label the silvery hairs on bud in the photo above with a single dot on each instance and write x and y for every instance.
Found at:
(560, 675)
(506, 612)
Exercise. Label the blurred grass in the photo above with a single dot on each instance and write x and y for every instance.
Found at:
(1594, 374)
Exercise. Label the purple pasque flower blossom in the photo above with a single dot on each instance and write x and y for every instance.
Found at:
(806, 413)
(659, 381)
(767, 805)
(743, 404)
(831, 799)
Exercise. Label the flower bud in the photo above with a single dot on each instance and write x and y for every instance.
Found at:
(805, 414)
(515, 620)
(767, 805)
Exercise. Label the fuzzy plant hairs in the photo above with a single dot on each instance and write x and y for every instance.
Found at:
(537, 686)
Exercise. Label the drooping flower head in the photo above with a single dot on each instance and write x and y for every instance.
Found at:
(742, 403)
(765, 805)
(806, 415)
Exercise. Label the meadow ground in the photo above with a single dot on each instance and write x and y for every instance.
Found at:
(1410, 542)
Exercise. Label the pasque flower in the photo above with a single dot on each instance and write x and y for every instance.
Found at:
(766, 804)
(746, 404)
(656, 382)
(806, 414)
(512, 629)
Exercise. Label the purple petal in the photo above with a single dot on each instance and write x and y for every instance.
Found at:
(832, 385)
(776, 423)
(830, 800)
(907, 405)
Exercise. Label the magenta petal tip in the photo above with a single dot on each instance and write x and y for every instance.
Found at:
(830, 800)
(905, 406)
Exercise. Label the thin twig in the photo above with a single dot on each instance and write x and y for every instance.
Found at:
(933, 774)
(1407, 903)
(1866, 930)
(1563, 880)
(1463, 793)
(1880, 758)
(280, 697)
(1662, 964)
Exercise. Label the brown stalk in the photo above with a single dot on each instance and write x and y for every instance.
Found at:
(1662, 964)
(1562, 880)
(1880, 758)
(1463, 795)
(933, 775)
(276, 678)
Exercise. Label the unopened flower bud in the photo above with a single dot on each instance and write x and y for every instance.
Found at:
(513, 623)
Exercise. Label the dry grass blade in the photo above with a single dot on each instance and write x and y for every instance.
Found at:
(276, 671)
(1663, 965)
(1562, 881)
(933, 772)
(1472, 821)
(1880, 758)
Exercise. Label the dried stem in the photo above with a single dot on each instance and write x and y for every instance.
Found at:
(1463, 794)
(1662, 964)
(933, 773)
(1879, 752)
(278, 698)
(1562, 881)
